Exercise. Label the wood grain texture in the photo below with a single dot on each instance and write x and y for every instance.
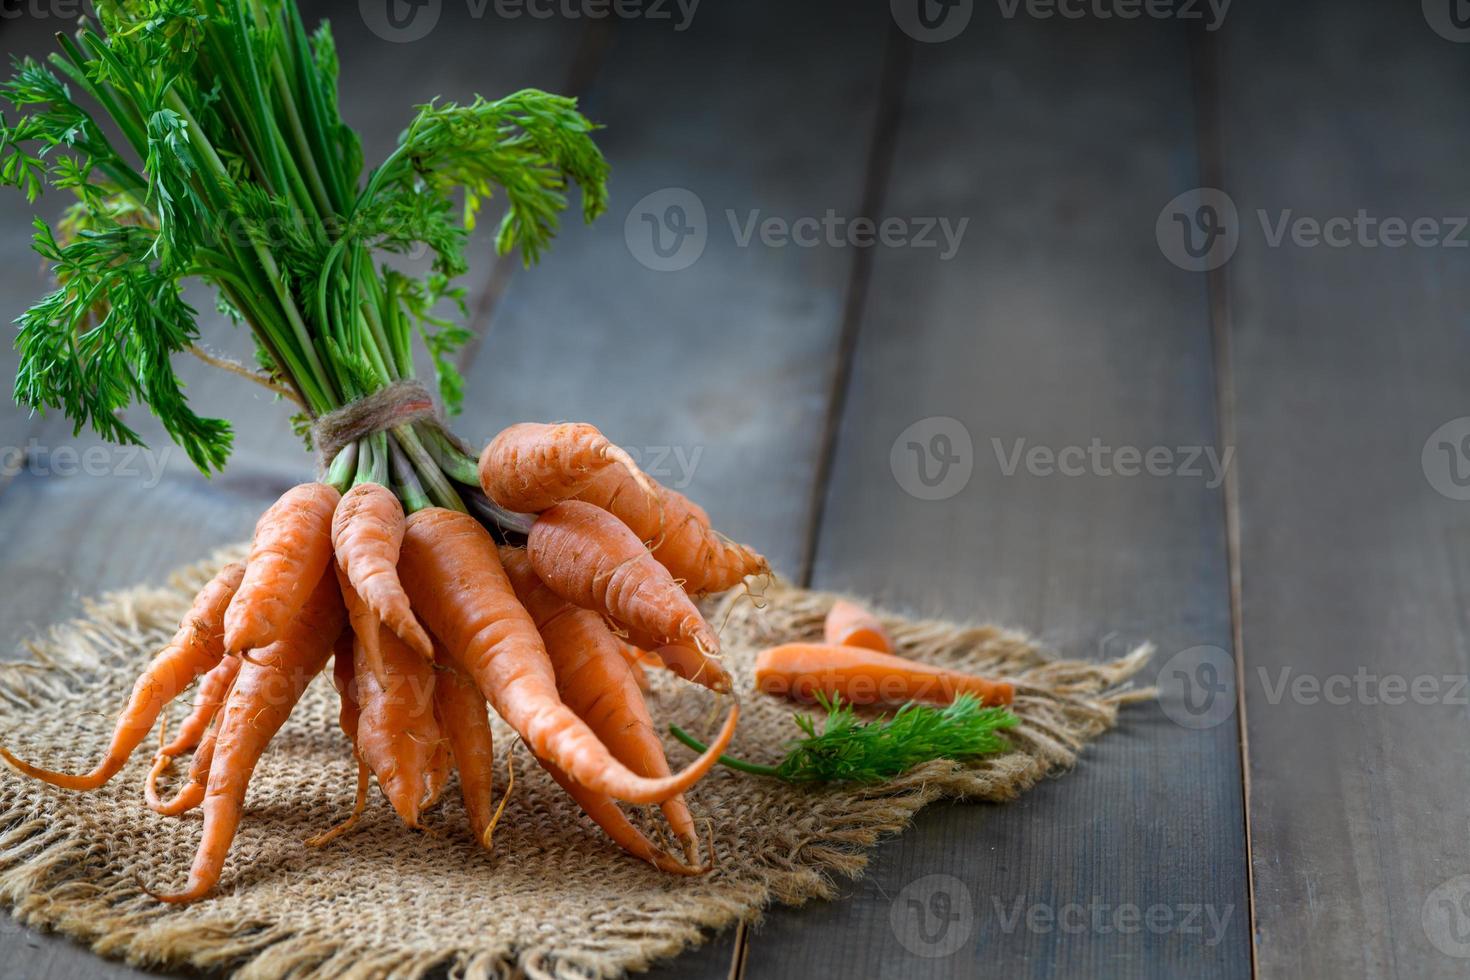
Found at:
(1346, 360)
(716, 375)
(1058, 322)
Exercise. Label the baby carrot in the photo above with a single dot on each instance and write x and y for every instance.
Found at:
(532, 465)
(196, 648)
(849, 624)
(291, 549)
(588, 557)
(859, 676)
(367, 534)
(454, 577)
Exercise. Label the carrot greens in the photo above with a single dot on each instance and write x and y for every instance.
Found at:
(842, 749)
(202, 139)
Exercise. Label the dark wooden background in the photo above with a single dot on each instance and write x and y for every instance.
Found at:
(1295, 837)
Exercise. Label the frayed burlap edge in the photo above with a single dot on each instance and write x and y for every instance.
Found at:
(55, 874)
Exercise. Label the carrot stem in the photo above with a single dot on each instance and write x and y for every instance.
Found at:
(725, 760)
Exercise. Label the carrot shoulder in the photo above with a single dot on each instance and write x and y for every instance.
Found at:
(367, 533)
(291, 549)
(195, 649)
(801, 670)
(532, 465)
(849, 624)
(454, 577)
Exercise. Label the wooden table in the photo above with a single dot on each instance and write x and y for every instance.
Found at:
(1279, 830)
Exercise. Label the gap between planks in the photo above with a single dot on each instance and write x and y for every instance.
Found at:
(893, 78)
(1205, 67)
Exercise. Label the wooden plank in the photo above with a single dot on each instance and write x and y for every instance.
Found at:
(716, 374)
(1347, 361)
(1059, 323)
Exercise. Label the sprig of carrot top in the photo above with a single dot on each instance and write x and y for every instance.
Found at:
(839, 748)
(202, 141)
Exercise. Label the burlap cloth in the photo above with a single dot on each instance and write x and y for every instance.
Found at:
(555, 899)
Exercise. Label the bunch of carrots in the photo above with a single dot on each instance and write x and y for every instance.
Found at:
(427, 619)
(201, 140)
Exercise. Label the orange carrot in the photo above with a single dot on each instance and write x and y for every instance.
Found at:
(849, 624)
(616, 492)
(196, 648)
(680, 660)
(588, 557)
(704, 560)
(532, 465)
(366, 627)
(292, 546)
(637, 660)
(453, 576)
(207, 701)
(604, 811)
(191, 793)
(397, 735)
(460, 708)
(269, 684)
(862, 676)
(367, 532)
(344, 679)
(594, 680)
